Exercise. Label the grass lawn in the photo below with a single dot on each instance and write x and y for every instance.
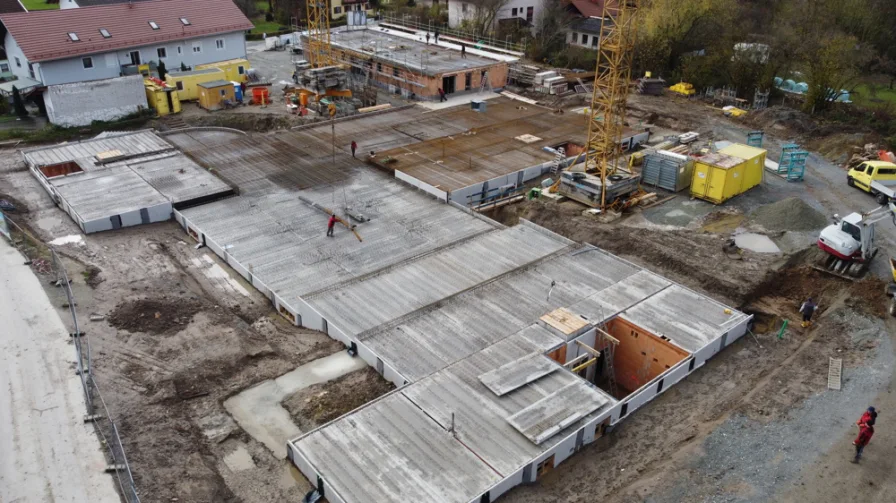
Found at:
(262, 26)
(874, 94)
(39, 5)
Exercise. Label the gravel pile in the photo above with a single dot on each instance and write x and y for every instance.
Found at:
(791, 214)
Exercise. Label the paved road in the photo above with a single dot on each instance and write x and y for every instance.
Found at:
(47, 453)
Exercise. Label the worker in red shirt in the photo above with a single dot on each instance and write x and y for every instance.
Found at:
(330, 224)
(869, 417)
(865, 433)
(354, 148)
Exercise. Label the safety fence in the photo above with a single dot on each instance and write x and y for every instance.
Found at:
(48, 265)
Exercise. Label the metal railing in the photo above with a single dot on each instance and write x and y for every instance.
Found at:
(46, 262)
(415, 23)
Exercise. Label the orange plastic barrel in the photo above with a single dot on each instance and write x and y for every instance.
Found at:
(260, 95)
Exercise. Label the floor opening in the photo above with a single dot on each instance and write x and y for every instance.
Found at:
(639, 357)
(569, 148)
(60, 169)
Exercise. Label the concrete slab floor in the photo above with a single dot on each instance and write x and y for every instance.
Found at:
(258, 410)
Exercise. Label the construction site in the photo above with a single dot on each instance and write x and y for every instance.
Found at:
(522, 297)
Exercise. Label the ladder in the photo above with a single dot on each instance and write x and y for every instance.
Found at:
(835, 371)
(607, 347)
(754, 138)
(483, 83)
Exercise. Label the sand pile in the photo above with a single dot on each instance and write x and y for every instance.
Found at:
(791, 214)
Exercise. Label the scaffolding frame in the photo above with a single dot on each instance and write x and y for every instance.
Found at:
(606, 121)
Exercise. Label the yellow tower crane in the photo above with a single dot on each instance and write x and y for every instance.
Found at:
(606, 120)
(318, 51)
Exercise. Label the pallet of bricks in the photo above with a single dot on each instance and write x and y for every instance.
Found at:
(324, 78)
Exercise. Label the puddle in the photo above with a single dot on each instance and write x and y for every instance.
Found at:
(291, 477)
(239, 460)
(65, 240)
(756, 242)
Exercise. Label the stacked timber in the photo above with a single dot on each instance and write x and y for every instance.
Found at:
(320, 80)
(652, 87)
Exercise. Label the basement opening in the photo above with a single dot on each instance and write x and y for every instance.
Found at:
(639, 357)
(61, 169)
(569, 148)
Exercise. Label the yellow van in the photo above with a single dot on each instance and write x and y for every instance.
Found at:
(878, 178)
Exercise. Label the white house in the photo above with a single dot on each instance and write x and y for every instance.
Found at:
(527, 11)
(90, 44)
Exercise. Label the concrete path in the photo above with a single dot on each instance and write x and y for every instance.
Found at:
(48, 453)
(258, 410)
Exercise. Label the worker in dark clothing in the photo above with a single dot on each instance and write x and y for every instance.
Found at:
(427, 38)
(865, 433)
(442, 95)
(354, 148)
(463, 50)
(437, 36)
(330, 224)
(807, 310)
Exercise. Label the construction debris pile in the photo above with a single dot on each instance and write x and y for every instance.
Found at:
(323, 79)
(791, 214)
(870, 152)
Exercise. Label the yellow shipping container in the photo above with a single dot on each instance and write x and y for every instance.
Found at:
(187, 83)
(755, 165)
(163, 100)
(211, 94)
(236, 69)
(717, 177)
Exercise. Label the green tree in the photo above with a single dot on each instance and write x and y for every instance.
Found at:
(17, 103)
(832, 64)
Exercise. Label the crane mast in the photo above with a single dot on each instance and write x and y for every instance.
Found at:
(606, 120)
(318, 49)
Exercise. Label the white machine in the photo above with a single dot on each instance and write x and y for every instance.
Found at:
(849, 242)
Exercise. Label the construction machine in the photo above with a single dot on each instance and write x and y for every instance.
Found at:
(849, 241)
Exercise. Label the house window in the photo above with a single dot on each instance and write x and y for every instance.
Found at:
(223, 92)
(594, 41)
(219, 44)
(240, 70)
(73, 37)
(513, 12)
(4, 68)
(153, 25)
(18, 63)
(31, 70)
(463, 8)
(105, 33)
(180, 50)
(185, 21)
(395, 71)
(197, 47)
(87, 62)
(530, 14)
(379, 67)
(179, 85)
(575, 38)
(337, 10)
(584, 39)
(162, 52)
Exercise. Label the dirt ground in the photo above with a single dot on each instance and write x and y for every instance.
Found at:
(321, 403)
(755, 424)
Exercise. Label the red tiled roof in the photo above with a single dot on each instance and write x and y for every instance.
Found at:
(10, 6)
(591, 8)
(43, 35)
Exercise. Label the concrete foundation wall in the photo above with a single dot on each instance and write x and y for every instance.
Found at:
(79, 104)
(425, 187)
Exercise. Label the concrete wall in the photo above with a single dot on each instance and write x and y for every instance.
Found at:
(425, 187)
(79, 104)
(108, 65)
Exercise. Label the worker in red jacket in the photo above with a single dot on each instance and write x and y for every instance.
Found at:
(330, 224)
(865, 433)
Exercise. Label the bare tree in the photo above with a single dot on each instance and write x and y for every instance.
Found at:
(480, 15)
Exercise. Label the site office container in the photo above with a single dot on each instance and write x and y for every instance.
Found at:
(211, 94)
(721, 176)
(236, 70)
(187, 83)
